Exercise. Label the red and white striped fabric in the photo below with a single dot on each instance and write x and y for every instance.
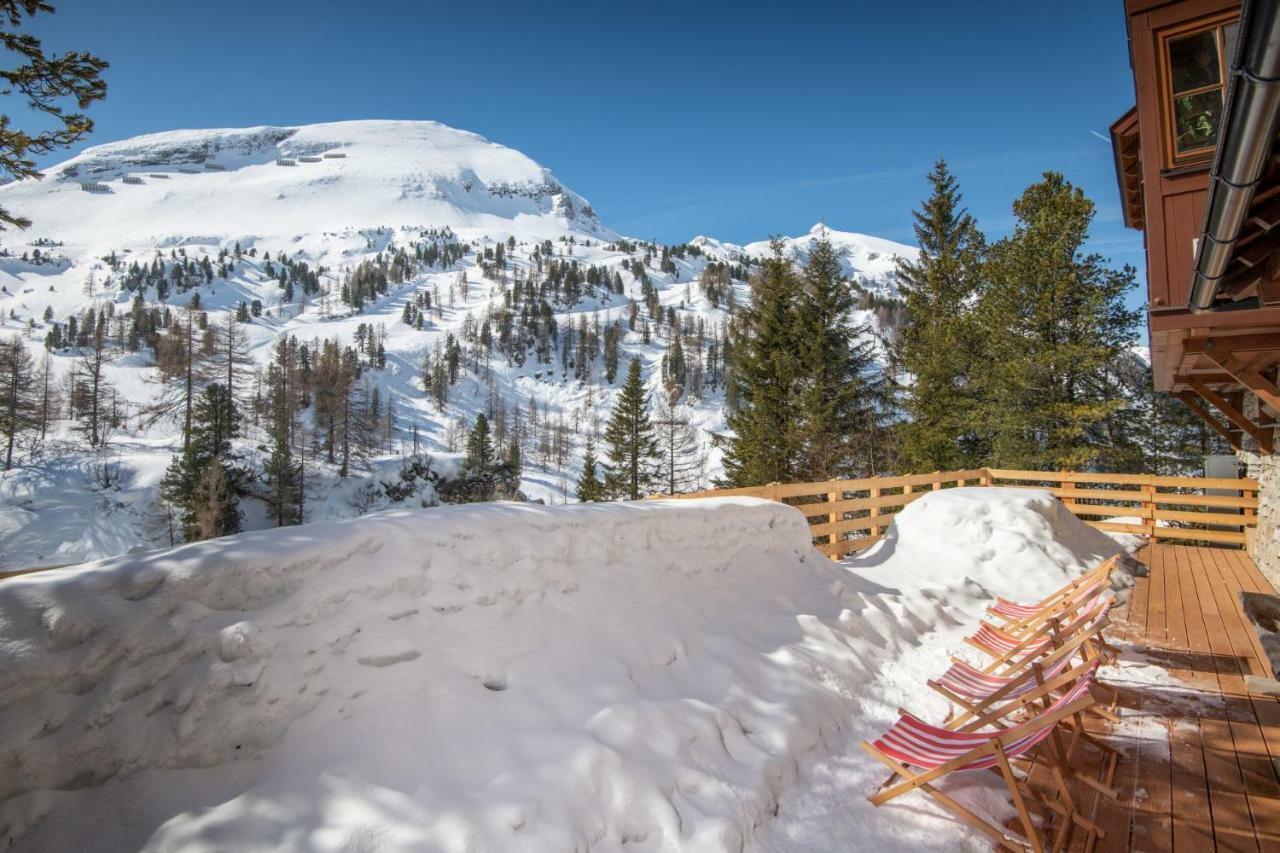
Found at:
(1014, 611)
(997, 643)
(963, 680)
(912, 741)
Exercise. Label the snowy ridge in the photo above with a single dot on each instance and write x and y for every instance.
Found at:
(233, 184)
(614, 677)
(869, 261)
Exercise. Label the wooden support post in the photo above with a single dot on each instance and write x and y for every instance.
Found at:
(936, 482)
(985, 478)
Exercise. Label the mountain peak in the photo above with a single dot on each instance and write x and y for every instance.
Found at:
(285, 181)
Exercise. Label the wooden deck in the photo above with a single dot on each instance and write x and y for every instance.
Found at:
(1200, 767)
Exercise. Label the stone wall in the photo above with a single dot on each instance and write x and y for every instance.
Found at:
(1263, 546)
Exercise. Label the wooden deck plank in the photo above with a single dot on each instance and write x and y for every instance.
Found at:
(1143, 777)
(1192, 812)
(1252, 719)
(1228, 791)
(1199, 769)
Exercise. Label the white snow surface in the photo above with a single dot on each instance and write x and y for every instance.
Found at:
(668, 675)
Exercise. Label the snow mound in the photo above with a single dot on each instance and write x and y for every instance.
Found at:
(643, 676)
(1007, 541)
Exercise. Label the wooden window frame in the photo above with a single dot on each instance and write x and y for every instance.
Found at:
(1200, 157)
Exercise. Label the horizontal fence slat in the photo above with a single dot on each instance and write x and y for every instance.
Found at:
(1227, 536)
(1117, 527)
(1224, 518)
(1169, 498)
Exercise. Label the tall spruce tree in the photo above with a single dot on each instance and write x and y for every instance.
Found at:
(766, 372)
(1055, 320)
(283, 473)
(479, 462)
(590, 489)
(203, 482)
(629, 435)
(841, 414)
(938, 345)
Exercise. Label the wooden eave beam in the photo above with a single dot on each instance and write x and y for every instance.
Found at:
(1234, 343)
(1220, 353)
(1232, 413)
(1189, 399)
(1180, 318)
(1207, 378)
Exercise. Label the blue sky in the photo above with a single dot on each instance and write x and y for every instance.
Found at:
(737, 120)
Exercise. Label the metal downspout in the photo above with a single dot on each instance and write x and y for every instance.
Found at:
(1247, 136)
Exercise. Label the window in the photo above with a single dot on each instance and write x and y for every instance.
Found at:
(1196, 66)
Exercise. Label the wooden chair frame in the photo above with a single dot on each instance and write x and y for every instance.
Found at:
(1019, 789)
(1063, 602)
(1047, 635)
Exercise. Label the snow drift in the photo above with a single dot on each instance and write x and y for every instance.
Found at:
(502, 677)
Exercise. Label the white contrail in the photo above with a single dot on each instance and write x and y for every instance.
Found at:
(1100, 136)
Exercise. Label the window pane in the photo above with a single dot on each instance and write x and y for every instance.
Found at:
(1193, 61)
(1196, 120)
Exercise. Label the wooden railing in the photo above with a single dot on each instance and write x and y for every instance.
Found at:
(846, 516)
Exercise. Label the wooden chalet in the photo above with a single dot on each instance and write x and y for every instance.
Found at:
(1199, 175)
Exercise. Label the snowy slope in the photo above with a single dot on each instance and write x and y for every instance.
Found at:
(208, 185)
(195, 195)
(641, 677)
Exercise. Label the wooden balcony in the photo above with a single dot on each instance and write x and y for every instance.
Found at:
(1201, 755)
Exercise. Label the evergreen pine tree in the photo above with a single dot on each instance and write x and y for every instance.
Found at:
(841, 402)
(938, 345)
(766, 370)
(202, 482)
(590, 489)
(632, 449)
(1056, 320)
(479, 461)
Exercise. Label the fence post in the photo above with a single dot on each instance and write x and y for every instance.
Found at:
(833, 517)
(936, 482)
(984, 479)
(875, 512)
(1149, 506)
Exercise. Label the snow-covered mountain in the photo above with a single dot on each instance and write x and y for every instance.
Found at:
(284, 182)
(868, 261)
(280, 219)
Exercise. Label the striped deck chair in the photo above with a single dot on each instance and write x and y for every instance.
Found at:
(1011, 652)
(1016, 618)
(991, 698)
(937, 752)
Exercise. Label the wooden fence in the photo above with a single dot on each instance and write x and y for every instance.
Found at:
(846, 516)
